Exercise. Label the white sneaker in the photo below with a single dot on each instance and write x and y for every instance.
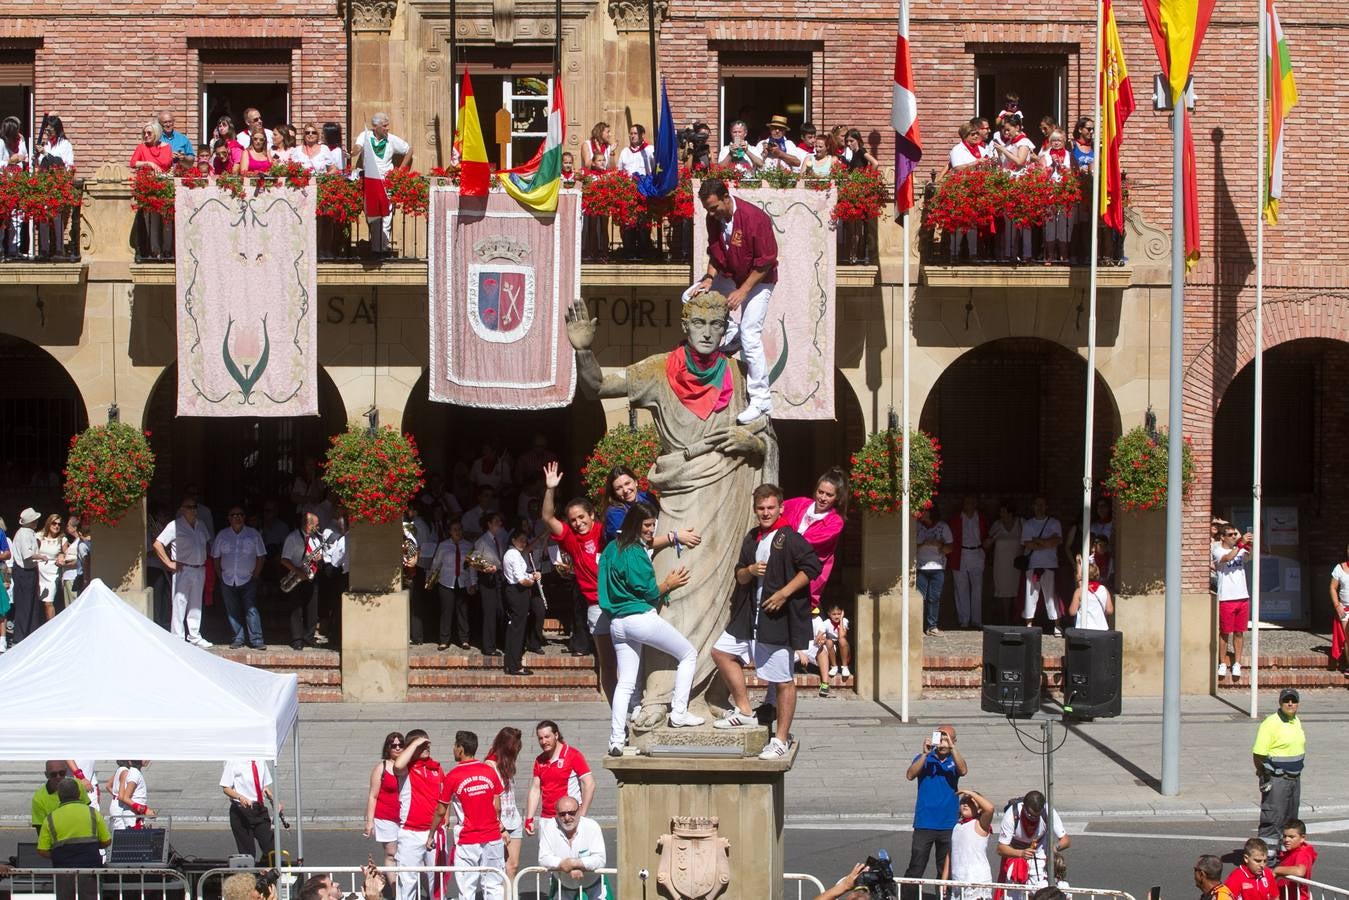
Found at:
(736, 719)
(833, 671)
(776, 749)
(844, 672)
(201, 642)
(750, 413)
(1236, 670)
(685, 719)
(1222, 670)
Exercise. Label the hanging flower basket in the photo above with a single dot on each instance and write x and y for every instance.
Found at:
(876, 483)
(373, 475)
(636, 448)
(108, 470)
(1138, 469)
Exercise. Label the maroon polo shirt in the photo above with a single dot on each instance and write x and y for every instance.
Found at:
(752, 245)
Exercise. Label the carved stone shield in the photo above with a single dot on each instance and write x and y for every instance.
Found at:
(694, 860)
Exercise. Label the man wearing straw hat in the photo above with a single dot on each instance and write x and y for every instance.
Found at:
(24, 572)
(777, 150)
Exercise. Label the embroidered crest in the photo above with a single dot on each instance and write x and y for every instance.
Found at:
(500, 301)
(694, 861)
(737, 238)
(781, 540)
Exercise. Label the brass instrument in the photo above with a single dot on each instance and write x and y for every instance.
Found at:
(409, 554)
(432, 577)
(295, 577)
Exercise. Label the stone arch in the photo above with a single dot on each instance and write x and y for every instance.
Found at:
(1210, 373)
(221, 451)
(39, 421)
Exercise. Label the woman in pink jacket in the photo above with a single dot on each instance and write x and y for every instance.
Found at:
(820, 520)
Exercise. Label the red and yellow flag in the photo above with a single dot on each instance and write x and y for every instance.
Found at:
(1117, 104)
(1178, 28)
(475, 175)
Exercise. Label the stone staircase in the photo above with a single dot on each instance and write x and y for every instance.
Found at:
(319, 671)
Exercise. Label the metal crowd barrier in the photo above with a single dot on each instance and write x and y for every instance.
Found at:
(96, 884)
(541, 876)
(1314, 890)
(350, 878)
(803, 881)
(979, 890)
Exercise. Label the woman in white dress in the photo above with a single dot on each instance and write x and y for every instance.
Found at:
(1094, 606)
(968, 859)
(129, 794)
(50, 544)
(1004, 539)
(502, 757)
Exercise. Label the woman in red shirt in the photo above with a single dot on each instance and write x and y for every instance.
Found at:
(150, 153)
(382, 806)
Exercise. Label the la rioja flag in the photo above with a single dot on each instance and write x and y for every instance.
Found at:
(904, 118)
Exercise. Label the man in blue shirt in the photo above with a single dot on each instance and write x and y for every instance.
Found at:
(937, 770)
(178, 142)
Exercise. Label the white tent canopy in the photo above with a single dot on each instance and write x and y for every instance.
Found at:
(188, 704)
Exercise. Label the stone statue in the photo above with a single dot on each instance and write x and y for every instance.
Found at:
(708, 467)
(694, 859)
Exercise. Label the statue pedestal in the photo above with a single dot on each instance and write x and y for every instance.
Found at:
(745, 795)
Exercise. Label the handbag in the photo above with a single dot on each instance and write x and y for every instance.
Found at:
(1021, 562)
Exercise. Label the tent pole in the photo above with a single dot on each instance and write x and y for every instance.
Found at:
(276, 822)
(299, 807)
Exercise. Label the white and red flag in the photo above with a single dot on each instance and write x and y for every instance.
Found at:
(904, 118)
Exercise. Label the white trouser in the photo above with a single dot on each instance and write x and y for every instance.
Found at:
(749, 327)
(381, 232)
(188, 582)
(490, 855)
(1037, 588)
(412, 852)
(630, 634)
(969, 587)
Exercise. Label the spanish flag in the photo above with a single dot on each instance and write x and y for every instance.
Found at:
(1117, 104)
(1178, 28)
(474, 173)
(1282, 96)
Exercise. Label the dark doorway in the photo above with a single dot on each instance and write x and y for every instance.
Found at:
(1040, 79)
(756, 99)
(40, 417)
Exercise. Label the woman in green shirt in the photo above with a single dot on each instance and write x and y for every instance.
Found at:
(629, 593)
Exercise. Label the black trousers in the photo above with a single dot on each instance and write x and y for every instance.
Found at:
(538, 611)
(333, 583)
(420, 607)
(580, 642)
(924, 839)
(253, 825)
(453, 614)
(26, 616)
(489, 589)
(304, 610)
(517, 621)
(158, 582)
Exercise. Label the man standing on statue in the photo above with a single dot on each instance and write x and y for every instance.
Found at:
(742, 263)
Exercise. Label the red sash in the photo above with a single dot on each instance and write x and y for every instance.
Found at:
(376, 197)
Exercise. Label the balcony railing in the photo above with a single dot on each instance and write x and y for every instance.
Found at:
(56, 240)
(672, 242)
(334, 241)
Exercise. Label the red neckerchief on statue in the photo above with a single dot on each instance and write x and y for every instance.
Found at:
(702, 383)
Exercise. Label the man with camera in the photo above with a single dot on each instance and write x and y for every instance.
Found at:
(739, 152)
(871, 879)
(695, 151)
(777, 150)
(938, 770)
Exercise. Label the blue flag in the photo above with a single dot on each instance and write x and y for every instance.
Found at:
(665, 176)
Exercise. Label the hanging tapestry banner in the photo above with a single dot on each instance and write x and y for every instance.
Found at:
(247, 287)
(798, 331)
(501, 279)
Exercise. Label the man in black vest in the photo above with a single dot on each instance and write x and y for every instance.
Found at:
(770, 620)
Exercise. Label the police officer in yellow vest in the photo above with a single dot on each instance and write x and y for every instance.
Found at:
(1279, 752)
(71, 837)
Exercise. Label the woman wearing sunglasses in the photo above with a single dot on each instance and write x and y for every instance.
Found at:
(381, 808)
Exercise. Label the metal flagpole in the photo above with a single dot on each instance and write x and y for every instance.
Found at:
(1257, 443)
(1094, 221)
(299, 807)
(1174, 449)
(651, 51)
(905, 518)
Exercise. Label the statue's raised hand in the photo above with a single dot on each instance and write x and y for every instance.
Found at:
(580, 327)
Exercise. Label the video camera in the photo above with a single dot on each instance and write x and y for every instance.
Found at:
(878, 877)
(694, 142)
(264, 881)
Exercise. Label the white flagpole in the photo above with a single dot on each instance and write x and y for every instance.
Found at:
(1094, 222)
(1257, 442)
(905, 517)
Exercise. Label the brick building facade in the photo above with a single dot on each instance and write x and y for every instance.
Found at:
(107, 68)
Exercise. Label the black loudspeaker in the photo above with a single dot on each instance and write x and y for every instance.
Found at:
(1091, 673)
(1011, 670)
